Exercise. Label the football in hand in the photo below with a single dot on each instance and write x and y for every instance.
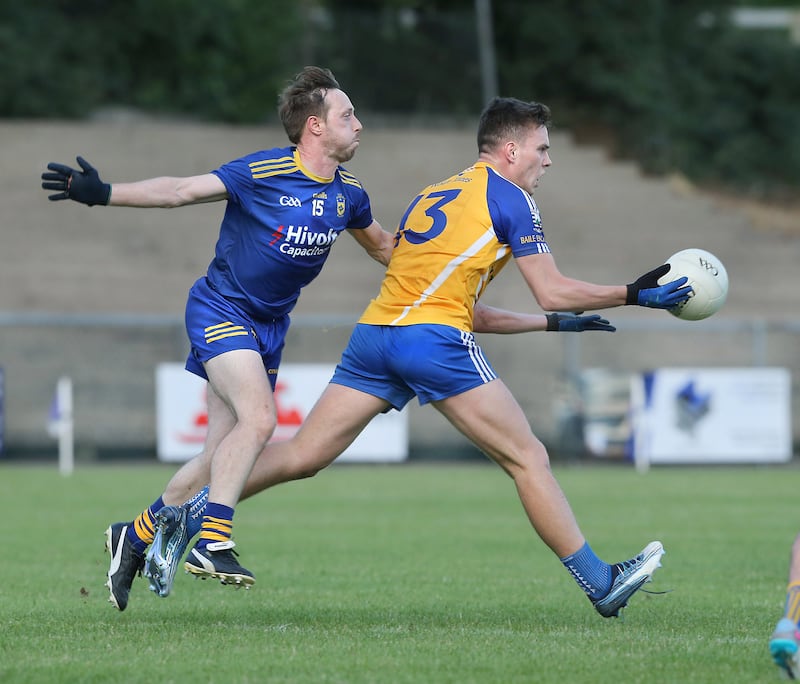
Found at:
(708, 278)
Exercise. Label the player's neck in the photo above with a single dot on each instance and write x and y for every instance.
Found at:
(316, 162)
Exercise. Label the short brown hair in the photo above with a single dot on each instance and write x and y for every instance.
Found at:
(304, 96)
(505, 118)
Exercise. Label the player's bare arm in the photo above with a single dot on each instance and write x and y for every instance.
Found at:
(376, 242)
(490, 319)
(556, 292)
(168, 191)
(84, 185)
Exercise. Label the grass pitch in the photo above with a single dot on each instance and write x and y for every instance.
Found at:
(395, 574)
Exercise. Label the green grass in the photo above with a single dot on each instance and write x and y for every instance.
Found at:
(393, 574)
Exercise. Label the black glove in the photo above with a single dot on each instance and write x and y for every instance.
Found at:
(568, 322)
(82, 186)
(647, 292)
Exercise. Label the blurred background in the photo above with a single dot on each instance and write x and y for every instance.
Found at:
(676, 124)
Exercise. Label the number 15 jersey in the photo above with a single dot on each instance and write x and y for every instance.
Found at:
(453, 239)
(280, 224)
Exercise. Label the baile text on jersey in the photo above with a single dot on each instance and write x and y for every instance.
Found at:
(452, 240)
(279, 226)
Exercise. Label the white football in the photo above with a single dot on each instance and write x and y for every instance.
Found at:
(708, 278)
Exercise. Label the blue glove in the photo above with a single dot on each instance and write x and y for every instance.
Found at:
(646, 291)
(82, 186)
(567, 322)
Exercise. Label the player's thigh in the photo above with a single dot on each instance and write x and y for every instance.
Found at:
(491, 418)
(338, 417)
(239, 381)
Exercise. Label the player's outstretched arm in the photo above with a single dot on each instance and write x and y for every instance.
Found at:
(556, 292)
(86, 187)
(645, 290)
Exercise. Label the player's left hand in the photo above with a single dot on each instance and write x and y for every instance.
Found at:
(81, 186)
(568, 322)
(646, 291)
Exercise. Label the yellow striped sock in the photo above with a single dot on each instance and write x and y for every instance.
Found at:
(216, 529)
(145, 526)
(792, 609)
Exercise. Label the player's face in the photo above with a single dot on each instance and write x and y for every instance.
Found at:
(533, 158)
(342, 127)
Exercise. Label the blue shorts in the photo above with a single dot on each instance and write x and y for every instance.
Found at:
(395, 363)
(215, 325)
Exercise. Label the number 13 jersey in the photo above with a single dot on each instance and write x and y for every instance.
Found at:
(453, 239)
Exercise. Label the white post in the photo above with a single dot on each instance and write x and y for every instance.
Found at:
(640, 433)
(66, 456)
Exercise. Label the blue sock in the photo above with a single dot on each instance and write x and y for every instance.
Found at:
(591, 574)
(197, 507)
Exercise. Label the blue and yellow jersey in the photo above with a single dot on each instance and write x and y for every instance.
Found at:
(279, 226)
(453, 239)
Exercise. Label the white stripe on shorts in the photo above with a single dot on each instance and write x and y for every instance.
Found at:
(476, 354)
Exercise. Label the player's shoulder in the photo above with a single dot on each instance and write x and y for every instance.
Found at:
(509, 204)
(348, 179)
(272, 162)
(498, 182)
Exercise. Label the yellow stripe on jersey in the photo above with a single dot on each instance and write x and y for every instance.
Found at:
(277, 172)
(277, 161)
(273, 167)
(349, 178)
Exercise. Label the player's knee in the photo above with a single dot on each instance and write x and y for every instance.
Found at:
(306, 471)
(308, 465)
(263, 427)
(531, 461)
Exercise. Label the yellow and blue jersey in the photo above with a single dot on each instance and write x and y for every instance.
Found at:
(452, 240)
(279, 226)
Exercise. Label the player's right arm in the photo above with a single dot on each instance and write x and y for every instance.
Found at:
(556, 292)
(168, 191)
(86, 187)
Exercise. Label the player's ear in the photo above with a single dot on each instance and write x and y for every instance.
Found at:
(314, 125)
(511, 149)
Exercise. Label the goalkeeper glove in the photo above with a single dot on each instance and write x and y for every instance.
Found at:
(646, 291)
(81, 186)
(567, 322)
